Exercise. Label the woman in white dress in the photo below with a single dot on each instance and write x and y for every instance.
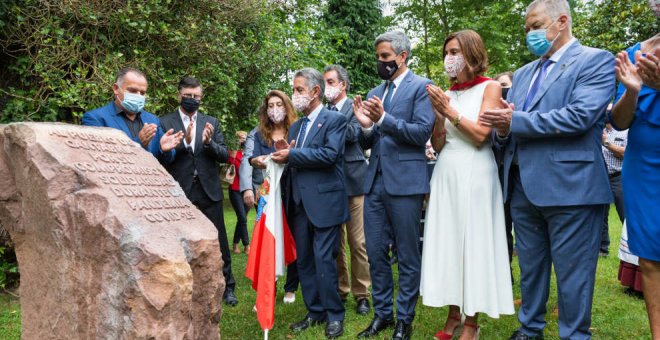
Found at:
(465, 260)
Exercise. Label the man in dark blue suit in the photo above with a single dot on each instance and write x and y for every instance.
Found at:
(126, 113)
(337, 84)
(396, 119)
(315, 160)
(555, 176)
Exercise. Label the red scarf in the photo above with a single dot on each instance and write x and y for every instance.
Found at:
(463, 86)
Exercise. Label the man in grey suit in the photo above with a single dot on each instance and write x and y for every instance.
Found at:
(337, 84)
(554, 171)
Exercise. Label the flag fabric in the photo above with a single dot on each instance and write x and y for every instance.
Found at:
(272, 247)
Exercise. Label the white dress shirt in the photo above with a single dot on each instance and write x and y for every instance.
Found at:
(341, 103)
(185, 119)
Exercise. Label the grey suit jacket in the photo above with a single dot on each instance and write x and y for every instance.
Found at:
(248, 176)
(355, 164)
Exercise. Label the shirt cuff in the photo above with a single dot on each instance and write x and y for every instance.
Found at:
(382, 117)
(367, 131)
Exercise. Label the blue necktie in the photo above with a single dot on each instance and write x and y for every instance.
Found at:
(331, 107)
(387, 103)
(537, 83)
(303, 132)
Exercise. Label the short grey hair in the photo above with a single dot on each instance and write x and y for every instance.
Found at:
(312, 78)
(398, 39)
(342, 74)
(126, 70)
(554, 9)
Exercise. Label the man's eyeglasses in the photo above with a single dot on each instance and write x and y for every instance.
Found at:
(193, 96)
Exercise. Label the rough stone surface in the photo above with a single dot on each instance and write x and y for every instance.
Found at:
(107, 243)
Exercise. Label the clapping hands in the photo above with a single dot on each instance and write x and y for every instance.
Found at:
(499, 119)
(368, 112)
(170, 140)
(281, 156)
(439, 101)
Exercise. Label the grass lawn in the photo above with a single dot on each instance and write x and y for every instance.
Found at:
(616, 315)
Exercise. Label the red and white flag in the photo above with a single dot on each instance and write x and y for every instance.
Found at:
(272, 247)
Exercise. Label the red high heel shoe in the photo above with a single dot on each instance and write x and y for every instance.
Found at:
(441, 335)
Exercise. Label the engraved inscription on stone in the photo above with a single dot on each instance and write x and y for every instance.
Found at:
(110, 161)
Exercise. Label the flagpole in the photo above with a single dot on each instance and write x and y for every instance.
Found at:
(265, 334)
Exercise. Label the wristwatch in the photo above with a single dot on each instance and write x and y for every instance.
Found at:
(606, 144)
(457, 121)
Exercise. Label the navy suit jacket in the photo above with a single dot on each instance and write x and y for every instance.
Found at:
(106, 116)
(398, 145)
(317, 169)
(355, 164)
(558, 140)
(204, 159)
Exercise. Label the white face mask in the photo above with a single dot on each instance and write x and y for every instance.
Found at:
(454, 64)
(332, 92)
(276, 114)
(301, 102)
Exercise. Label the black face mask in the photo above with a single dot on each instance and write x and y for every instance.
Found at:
(387, 68)
(505, 91)
(190, 105)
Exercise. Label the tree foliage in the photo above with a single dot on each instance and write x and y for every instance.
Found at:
(614, 25)
(59, 58)
(499, 22)
(362, 22)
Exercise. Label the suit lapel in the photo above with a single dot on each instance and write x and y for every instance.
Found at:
(178, 123)
(566, 60)
(525, 82)
(295, 131)
(317, 124)
(199, 130)
(347, 109)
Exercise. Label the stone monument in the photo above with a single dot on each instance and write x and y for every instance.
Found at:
(108, 245)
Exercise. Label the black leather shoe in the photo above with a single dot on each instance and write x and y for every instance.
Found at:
(304, 324)
(363, 306)
(334, 329)
(402, 331)
(376, 325)
(230, 298)
(518, 335)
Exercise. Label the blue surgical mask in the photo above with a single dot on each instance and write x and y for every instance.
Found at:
(133, 102)
(538, 43)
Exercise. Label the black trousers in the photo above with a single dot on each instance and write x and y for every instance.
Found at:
(617, 191)
(213, 211)
(241, 231)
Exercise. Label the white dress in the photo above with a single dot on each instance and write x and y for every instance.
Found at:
(465, 261)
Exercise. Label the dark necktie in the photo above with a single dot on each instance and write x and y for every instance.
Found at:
(331, 107)
(537, 83)
(303, 132)
(387, 103)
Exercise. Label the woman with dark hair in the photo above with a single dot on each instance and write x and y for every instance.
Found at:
(275, 118)
(469, 268)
